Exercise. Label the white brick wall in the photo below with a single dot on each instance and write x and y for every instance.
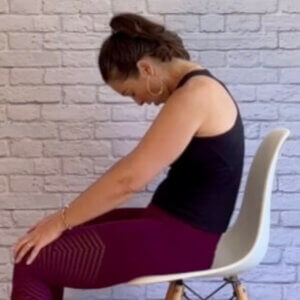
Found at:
(61, 127)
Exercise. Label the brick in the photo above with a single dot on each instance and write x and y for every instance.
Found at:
(29, 23)
(69, 183)
(26, 183)
(179, 23)
(46, 23)
(288, 165)
(259, 111)
(77, 131)
(177, 6)
(77, 23)
(134, 6)
(46, 166)
(212, 23)
(280, 58)
(240, 6)
(76, 6)
(74, 113)
(76, 41)
(122, 130)
(80, 58)
(10, 166)
(290, 218)
(243, 23)
(4, 148)
(23, 112)
(263, 291)
(76, 148)
(2, 41)
(290, 183)
(290, 112)
(26, 76)
(251, 130)
(287, 40)
(30, 201)
(101, 22)
(278, 92)
(212, 58)
(229, 40)
(79, 94)
(25, 130)
(280, 22)
(291, 148)
(30, 41)
(273, 256)
(3, 185)
(3, 76)
(3, 6)
(291, 291)
(78, 165)
(28, 7)
(281, 201)
(29, 59)
(273, 274)
(243, 58)
(247, 75)
(291, 255)
(290, 6)
(22, 94)
(290, 75)
(72, 76)
(26, 148)
(26, 218)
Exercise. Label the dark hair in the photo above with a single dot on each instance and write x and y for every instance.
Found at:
(133, 37)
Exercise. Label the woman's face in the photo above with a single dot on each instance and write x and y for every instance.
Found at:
(137, 87)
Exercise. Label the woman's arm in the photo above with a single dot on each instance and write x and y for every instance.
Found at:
(109, 191)
(165, 140)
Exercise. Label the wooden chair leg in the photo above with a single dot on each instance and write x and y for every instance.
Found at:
(239, 289)
(175, 291)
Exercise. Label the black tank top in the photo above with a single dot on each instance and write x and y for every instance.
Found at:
(202, 184)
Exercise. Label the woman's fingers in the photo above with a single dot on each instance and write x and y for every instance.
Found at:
(30, 229)
(19, 243)
(33, 254)
(23, 251)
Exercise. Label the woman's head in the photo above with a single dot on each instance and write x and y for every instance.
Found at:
(139, 58)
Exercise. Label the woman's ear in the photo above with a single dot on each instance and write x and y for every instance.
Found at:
(145, 68)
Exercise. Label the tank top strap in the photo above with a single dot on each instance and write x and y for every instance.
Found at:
(205, 72)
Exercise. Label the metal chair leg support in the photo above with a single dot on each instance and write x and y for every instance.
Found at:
(199, 296)
(239, 292)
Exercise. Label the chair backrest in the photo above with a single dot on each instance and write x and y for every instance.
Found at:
(246, 242)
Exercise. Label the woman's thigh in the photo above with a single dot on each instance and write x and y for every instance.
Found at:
(101, 255)
(110, 253)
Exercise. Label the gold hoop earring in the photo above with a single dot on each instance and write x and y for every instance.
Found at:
(149, 91)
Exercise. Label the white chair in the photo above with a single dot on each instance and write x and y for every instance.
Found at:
(243, 246)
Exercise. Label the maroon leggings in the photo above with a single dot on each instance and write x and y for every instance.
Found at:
(114, 248)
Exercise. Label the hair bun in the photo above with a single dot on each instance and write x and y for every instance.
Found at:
(134, 25)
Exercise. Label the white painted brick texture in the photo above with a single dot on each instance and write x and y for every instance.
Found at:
(61, 127)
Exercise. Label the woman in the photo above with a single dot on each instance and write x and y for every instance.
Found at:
(198, 133)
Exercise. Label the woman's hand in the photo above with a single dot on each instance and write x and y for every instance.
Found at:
(41, 234)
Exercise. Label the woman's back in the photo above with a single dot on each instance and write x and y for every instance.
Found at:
(202, 185)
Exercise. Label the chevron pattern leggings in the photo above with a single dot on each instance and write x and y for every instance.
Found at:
(111, 249)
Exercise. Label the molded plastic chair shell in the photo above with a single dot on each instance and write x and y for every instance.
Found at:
(244, 245)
